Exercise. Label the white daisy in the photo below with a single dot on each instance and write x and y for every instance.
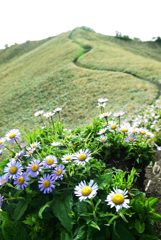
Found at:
(58, 109)
(134, 130)
(29, 152)
(82, 156)
(131, 138)
(38, 113)
(67, 158)
(142, 131)
(105, 115)
(102, 131)
(102, 100)
(102, 138)
(149, 134)
(112, 126)
(117, 199)
(84, 191)
(124, 127)
(48, 114)
(34, 145)
(49, 162)
(101, 105)
(2, 141)
(13, 135)
(56, 144)
(119, 114)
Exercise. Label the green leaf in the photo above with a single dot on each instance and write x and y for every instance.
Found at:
(20, 210)
(122, 233)
(48, 204)
(81, 233)
(104, 180)
(123, 217)
(140, 227)
(154, 216)
(94, 225)
(3, 216)
(62, 206)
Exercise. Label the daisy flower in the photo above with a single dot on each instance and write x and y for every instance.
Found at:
(46, 183)
(102, 138)
(3, 179)
(112, 126)
(124, 128)
(13, 168)
(105, 115)
(134, 130)
(107, 145)
(49, 162)
(67, 158)
(49, 114)
(35, 145)
(58, 109)
(56, 144)
(13, 135)
(38, 113)
(34, 168)
(131, 138)
(2, 141)
(29, 152)
(102, 131)
(102, 100)
(119, 114)
(82, 156)
(101, 105)
(58, 172)
(1, 199)
(19, 154)
(149, 134)
(84, 190)
(142, 131)
(21, 181)
(117, 199)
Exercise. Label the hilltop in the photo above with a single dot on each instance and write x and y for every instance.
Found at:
(72, 70)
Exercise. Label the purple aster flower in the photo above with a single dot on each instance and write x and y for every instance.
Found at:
(13, 169)
(34, 168)
(49, 162)
(46, 183)
(21, 181)
(3, 179)
(1, 199)
(19, 154)
(29, 152)
(58, 172)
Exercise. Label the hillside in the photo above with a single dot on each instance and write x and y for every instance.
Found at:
(62, 72)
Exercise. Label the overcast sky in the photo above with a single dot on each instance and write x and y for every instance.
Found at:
(22, 20)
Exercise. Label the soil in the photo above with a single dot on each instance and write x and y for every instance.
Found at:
(152, 183)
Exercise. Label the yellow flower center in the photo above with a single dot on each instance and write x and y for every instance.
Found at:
(15, 157)
(86, 191)
(118, 198)
(30, 152)
(13, 170)
(50, 161)
(148, 135)
(46, 183)
(4, 181)
(12, 135)
(100, 105)
(113, 126)
(68, 158)
(82, 157)
(1, 142)
(34, 145)
(59, 172)
(131, 139)
(135, 131)
(21, 180)
(35, 167)
(103, 139)
(142, 132)
(124, 130)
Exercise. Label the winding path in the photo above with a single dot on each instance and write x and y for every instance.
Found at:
(88, 48)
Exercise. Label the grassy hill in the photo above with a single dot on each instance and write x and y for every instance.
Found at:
(60, 72)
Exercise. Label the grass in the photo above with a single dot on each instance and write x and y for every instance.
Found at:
(45, 77)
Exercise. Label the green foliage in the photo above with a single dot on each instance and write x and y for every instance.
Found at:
(30, 214)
